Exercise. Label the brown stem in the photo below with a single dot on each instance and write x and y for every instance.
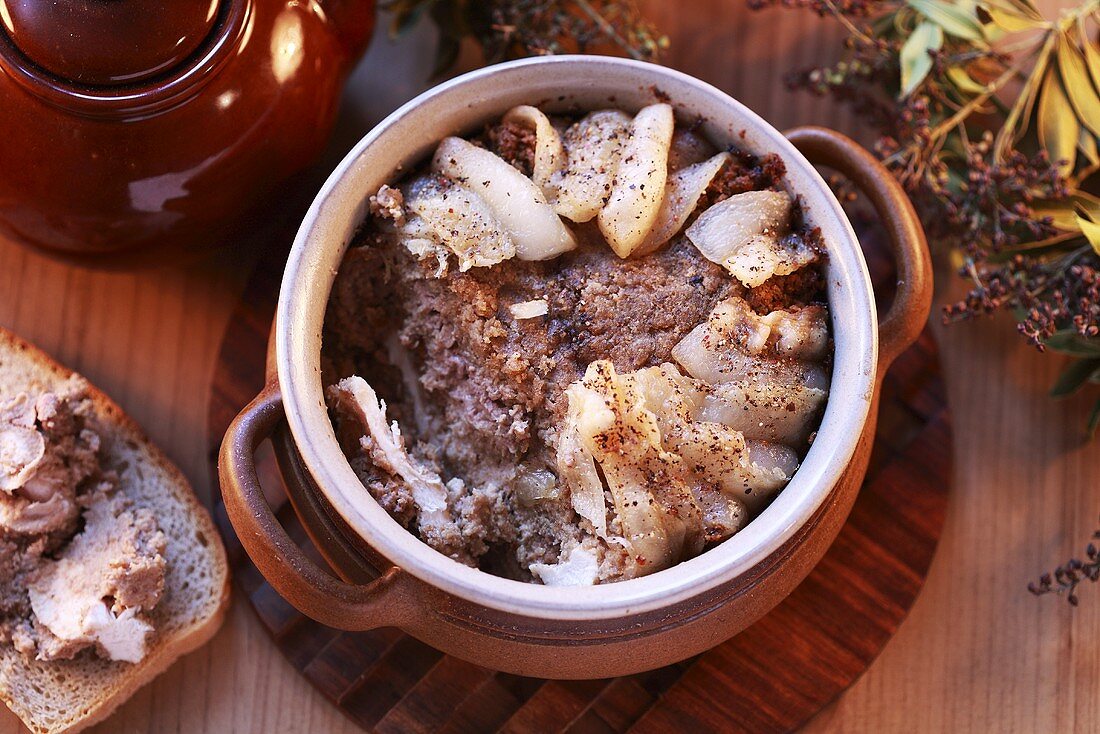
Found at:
(978, 101)
(1007, 133)
(608, 29)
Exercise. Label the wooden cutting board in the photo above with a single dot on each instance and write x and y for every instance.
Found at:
(774, 676)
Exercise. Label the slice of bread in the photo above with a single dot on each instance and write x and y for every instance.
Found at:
(69, 695)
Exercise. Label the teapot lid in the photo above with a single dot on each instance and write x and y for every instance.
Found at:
(108, 42)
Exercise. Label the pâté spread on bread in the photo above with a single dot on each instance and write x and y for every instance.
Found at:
(579, 349)
(80, 566)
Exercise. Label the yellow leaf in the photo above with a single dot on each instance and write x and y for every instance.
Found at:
(1010, 21)
(1019, 119)
(1078, 85)
(1092, 55)
(915, 59)
(1057, 123)
(1063, 212)
(1026, 8)
(1091, 231)
(1086, 144)
(964, 81)
(957, 258)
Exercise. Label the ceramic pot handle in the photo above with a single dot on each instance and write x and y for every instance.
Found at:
(307, 587)
(908, 313)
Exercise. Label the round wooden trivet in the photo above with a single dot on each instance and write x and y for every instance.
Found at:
(774, 676)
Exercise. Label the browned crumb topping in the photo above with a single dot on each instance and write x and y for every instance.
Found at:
(515, 143)
(744, 173)
(802, 287)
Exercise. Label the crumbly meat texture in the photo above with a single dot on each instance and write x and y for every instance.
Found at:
(67, 537)
(634, 311)
(514, 142)
(501, 374)
(491, 386)
(801, 288)
(478, 393)
(744, 173)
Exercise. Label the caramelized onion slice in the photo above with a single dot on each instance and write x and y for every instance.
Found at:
(549, 150)
(529, 309)
(655, 509)
(671, 396)
(518, 204)
(457, 218)
(737, 344)
(749, 471)
(687, 149)
(593, 146)
(766, 255)
(801, 334)
(386, 446)
(723, 515)
(654, 531)
(728, 225)
(769, 468)
(576, 466)
(685, 188)
(744, 234)
(716, 360)
(711, 450)
(708, 451)
(768, 409)
(639, 186)
(578, 566)
(705, 358)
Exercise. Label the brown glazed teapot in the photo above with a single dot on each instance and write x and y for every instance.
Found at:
(131, 128)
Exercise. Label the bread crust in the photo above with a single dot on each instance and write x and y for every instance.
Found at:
(163, 651)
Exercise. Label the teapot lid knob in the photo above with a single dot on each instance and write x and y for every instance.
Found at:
(108, 42)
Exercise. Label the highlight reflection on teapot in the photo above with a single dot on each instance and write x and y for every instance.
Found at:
(131, 126)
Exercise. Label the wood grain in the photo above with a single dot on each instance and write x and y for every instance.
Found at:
(977, 653)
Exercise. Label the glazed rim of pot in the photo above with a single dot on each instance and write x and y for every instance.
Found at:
(407, 137)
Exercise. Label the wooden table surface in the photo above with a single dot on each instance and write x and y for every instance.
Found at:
(978, 652)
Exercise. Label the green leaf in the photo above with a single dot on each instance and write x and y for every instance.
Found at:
(1075, 80)
(1068, 341)
(1094, 420)
(1091, 230)
(964, 81)
(1058, 125)
(1010, 21)
(405, 14)
(1074, 376)
(950, 18)
(915, 58)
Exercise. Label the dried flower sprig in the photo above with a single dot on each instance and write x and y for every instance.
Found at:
(516, 28)
(988, 114)
(1064, 579)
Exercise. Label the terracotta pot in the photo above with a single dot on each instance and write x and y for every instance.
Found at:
(392, 579)
(137, 129)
